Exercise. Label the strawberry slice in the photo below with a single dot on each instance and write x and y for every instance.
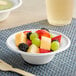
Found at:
(25, 32)
(44, 51)
(29, 42)
(43, 33)
(57, 38)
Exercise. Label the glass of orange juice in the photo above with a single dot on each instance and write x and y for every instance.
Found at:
(59, 12)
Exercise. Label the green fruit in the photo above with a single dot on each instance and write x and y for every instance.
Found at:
(55, 45)
(36, 41)
(6, 4)
(33, 35)
(52, 35)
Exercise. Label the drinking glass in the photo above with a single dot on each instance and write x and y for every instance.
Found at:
(59, 12)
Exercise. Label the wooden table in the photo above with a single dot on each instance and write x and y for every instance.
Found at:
(30, 11)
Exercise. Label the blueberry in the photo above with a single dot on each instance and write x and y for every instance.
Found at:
(23, 47)
(28, 35)
(45, 29)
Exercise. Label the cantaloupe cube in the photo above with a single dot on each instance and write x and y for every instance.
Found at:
(20, 38)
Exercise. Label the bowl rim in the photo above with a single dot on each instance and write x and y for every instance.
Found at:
(12, 8)
(38, 54)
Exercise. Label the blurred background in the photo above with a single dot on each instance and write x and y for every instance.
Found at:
(30, 11)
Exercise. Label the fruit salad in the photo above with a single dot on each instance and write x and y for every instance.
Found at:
(40, 41)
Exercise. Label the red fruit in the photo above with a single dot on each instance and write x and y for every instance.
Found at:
(43, 33)
(25, 32)
(57, 38)
(29, 42)
(44, 51)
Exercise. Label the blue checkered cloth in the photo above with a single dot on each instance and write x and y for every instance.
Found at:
(63, 64)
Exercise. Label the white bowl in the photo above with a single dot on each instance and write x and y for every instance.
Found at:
(41, 58)
(5, 13)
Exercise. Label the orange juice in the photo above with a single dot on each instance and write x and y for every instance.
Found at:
(59, 12)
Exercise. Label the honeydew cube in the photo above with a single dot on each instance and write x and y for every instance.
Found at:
(45, 43)
(33, 49)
